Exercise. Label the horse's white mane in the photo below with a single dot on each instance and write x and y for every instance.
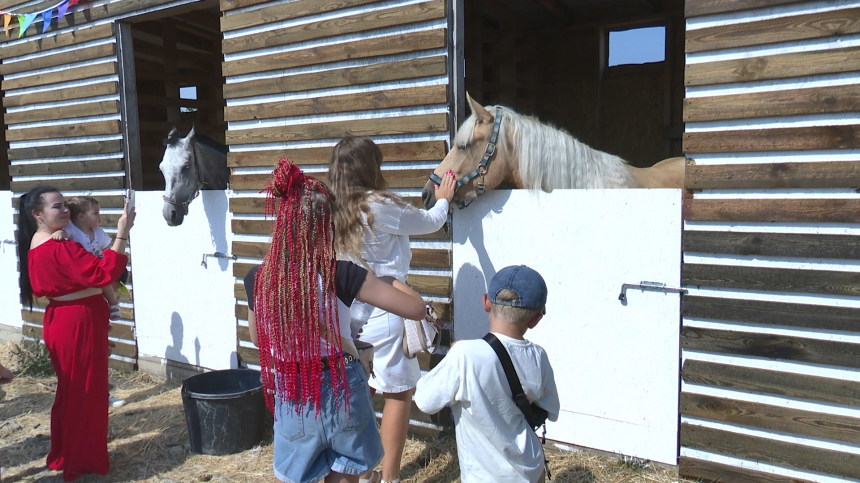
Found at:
(549, 157)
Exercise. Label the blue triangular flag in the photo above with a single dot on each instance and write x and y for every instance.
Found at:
(24, 22)
(61, 10)
(46, 20)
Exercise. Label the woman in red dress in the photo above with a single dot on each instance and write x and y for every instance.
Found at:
(75, 326)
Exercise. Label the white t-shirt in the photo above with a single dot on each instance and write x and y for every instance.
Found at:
(386, 244)
(494, 440)
(96, 246)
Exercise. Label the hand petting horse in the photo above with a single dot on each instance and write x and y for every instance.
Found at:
(496, 145)
(190, 163)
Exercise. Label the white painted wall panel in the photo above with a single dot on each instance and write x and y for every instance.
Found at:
(616, 364)
(183, 311)
(10, 306)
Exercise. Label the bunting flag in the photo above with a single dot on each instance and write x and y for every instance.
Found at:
(61, 10)
(27, 19)
(24, 22)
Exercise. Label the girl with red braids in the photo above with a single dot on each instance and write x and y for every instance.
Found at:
(299, 317)
(75, 326)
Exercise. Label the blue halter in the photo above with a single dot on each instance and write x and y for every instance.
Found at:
(483, 166)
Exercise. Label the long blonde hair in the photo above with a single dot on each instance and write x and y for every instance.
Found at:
(355, 177)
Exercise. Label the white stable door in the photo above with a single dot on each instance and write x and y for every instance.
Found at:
(10, 306)
(616, 363)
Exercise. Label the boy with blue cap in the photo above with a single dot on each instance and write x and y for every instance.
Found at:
(494, 441)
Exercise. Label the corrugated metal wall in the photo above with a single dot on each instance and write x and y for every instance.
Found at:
(299, 76)
(770, 327)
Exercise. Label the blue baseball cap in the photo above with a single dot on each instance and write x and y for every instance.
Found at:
(526, 282)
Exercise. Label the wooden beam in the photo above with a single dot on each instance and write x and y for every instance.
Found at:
(773, 418)
(774, 210)
(360, 22)
(61, 150)
(819, 317)
(773, 244)
(819, 100)
(337, 129)
(67, 167)
(411, 96)
(79, 36)
(285, 11)
(358, 49)
(95, 128)
(79, 92)
(772, 279)
(774, 347)
(76, 73)
(406, 69)
(787, 384)
(770, 451)
(778, 139)
(779, 66)
(396, 178)
(63, 112)
(80, 55)
(834, 23)
(695, 8)
(835, 174)
(701, 470)
(391, 152)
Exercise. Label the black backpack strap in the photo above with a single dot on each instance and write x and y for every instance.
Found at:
(519, 395)
(529, 411)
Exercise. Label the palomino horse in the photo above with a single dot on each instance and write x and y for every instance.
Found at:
(190, 163)
(496, 145)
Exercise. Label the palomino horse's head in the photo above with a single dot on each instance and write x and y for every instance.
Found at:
(182, 177)
(478, 163)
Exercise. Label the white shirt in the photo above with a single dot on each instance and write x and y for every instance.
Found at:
(494, 440)
(96, 246)
(385, 249)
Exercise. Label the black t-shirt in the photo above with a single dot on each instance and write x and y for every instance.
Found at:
(348, 279)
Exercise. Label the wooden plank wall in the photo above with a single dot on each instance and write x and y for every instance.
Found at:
(770, 335)
(61, 104)
(301, 75)
(62, 120)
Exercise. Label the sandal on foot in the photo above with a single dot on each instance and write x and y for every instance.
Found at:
(375, 477)
(115, 312)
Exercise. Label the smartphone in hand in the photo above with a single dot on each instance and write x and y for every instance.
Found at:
(129, 199)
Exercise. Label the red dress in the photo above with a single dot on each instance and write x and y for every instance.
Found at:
(76, 334)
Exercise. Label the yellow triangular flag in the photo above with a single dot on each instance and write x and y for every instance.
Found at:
(7, 18)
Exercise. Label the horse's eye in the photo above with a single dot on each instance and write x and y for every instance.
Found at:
(186, 167)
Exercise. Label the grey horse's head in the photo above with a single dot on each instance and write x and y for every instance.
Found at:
(182, 177)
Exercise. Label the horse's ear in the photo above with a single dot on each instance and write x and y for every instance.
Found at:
(191, 133)
(478, 110)
(173, 134)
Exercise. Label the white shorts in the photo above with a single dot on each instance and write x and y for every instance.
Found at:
(393, 372)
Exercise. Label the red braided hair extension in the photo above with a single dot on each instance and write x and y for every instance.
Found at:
(295, 299)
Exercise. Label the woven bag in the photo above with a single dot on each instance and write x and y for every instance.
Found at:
(423, 335)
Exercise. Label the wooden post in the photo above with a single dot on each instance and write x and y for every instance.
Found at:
(128, 107)
(457, 64)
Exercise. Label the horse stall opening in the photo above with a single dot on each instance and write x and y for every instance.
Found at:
(171, 67)
(551, 59)
(174, 82)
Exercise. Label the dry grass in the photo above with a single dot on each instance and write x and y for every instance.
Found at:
(148, 442)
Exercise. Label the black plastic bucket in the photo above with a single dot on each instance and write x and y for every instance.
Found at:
(225, 411)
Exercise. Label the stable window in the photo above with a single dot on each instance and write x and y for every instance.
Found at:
(189, 92)
(637, 46)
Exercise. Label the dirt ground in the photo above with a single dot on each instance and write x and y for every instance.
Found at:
(148, 442)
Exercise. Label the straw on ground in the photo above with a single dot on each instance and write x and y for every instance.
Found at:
(148, 442)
